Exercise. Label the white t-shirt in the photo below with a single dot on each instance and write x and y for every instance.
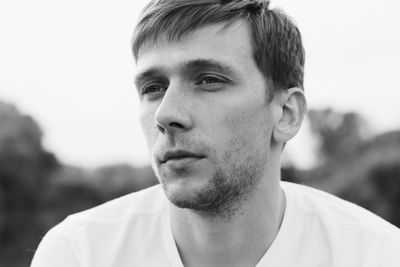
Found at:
(318, 229)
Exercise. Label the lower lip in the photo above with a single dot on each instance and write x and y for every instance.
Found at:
(183, 162)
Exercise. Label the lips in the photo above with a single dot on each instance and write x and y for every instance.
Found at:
(178, 155)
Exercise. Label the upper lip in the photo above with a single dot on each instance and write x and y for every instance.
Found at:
(178, 154)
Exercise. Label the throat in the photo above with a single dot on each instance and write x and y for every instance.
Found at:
(216, 241)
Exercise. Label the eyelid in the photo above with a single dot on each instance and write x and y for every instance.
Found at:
(143, 82)
(145, 87)
(219, 77)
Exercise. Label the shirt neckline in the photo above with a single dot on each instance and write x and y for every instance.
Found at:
(275, 255)
(168, 238)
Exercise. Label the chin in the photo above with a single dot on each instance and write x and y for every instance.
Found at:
(185, 192)
(219, 195)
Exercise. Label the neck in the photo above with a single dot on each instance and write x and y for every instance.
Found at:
(240, 240)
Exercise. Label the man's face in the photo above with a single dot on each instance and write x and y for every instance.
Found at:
(205, 113)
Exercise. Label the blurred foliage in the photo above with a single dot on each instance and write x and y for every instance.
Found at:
(37, 191)
(340, 135)
(24, 170)
(354, 165)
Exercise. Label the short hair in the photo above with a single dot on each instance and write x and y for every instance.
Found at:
(275, 39)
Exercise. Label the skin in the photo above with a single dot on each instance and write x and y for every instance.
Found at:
(204, 95)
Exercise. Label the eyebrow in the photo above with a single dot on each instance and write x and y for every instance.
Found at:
(152, 72)
(189, 67)
(207, 64)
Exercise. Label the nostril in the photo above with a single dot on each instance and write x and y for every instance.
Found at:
(176, 125)
(160, 128)
(169, 127)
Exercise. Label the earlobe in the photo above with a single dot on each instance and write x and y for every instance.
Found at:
(293, 108)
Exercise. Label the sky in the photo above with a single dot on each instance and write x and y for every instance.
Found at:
(69, 65)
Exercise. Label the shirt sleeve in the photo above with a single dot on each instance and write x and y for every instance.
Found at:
(55, 249)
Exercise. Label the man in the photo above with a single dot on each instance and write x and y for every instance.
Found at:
(221, 91)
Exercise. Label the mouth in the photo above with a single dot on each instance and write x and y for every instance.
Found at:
(179, 155)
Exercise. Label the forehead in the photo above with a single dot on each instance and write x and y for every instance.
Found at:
(228, 44)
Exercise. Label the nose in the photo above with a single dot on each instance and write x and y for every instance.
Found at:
(172, 115)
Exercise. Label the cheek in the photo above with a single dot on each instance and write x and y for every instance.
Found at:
(147, 122)
(249, 130)
(248, 143)
(250, 121)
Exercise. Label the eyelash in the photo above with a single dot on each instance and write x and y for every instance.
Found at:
(147, 89)
(216, 80)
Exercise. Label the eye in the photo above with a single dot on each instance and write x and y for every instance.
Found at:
(208, 81)
(153, 88)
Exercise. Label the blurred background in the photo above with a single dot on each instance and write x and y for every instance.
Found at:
(70, 138)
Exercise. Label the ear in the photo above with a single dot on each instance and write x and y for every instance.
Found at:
(293, 108)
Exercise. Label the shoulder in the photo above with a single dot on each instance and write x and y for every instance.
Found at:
(79, 239)
(320, 205)
(139, 205)
(342, 231)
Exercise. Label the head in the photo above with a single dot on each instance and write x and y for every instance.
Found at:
(220, 86)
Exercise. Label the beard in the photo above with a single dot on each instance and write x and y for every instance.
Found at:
(233, 178)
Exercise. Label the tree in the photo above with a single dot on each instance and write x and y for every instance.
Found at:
(340, 134)
(24, 169)
(363, 170)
